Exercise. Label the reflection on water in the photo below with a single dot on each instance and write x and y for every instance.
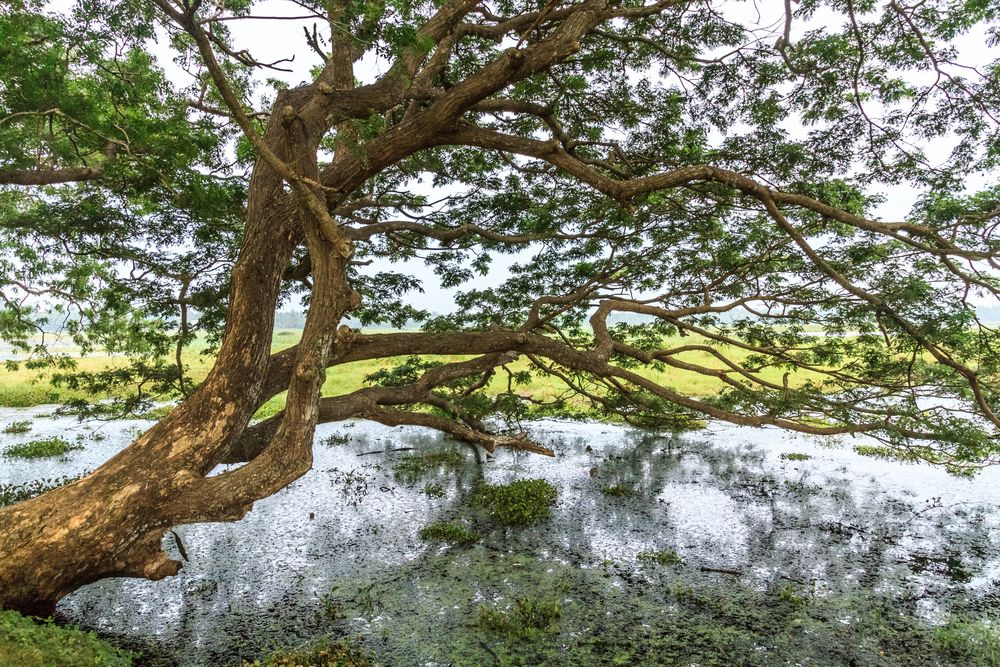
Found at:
(338, 553)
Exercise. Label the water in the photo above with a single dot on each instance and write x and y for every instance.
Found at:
(784, 561)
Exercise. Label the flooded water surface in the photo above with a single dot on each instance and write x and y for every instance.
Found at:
(725, 546)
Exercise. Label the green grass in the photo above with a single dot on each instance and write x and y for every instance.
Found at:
(448, 531)
(521, 503)
(25, 642)
(27, 387)
(41, 449)
(795, 456)
(17, 427)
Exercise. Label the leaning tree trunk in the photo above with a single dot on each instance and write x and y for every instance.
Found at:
(111, 523)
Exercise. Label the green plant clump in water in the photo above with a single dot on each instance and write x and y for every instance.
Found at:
(15, 493)
(619, 490)
(336, 439)
(526, 619)
(413, 467)
(795, 456)
(40, 449)
(520, 503)
(25, 642)
(660, 557)
(17, 427)
(323, 653)
(448, 531)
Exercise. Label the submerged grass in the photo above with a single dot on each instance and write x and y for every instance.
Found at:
(324, 653)
(525, 619)
(40, 449)
(521, 503)
(412, 468)
(660, 557)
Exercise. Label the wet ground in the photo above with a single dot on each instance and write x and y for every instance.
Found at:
(709, 548)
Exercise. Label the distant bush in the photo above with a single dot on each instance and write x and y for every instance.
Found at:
(25, 642)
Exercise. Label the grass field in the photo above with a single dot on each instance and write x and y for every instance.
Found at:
(25, 387)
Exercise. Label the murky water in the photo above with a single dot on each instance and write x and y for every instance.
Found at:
(783, 561)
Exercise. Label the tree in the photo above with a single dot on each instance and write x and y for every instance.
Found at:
(684, 176)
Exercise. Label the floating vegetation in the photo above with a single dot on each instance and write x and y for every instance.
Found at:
(22, 426)
(412, 468)
(520, 503)
(15, 493)
(660, 557)
(40, 449)
(619, 490)
(323, 653)
(525, 619)
(448, 531)
(795, 456)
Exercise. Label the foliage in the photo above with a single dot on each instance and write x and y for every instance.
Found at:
(651, 174)
(619, 490)
(521, 503)
(41, 448)
(795, 456)
(26, 642)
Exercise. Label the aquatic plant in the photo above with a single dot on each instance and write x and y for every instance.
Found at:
(448, 531)
(795, 456)
(526, 618)
(42, 448)
(660, 557)
(22, 426)
(27, 642)
(520, 503)
(15, 493)
(324, 653)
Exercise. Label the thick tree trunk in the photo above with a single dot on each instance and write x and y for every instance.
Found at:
(111, 523)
